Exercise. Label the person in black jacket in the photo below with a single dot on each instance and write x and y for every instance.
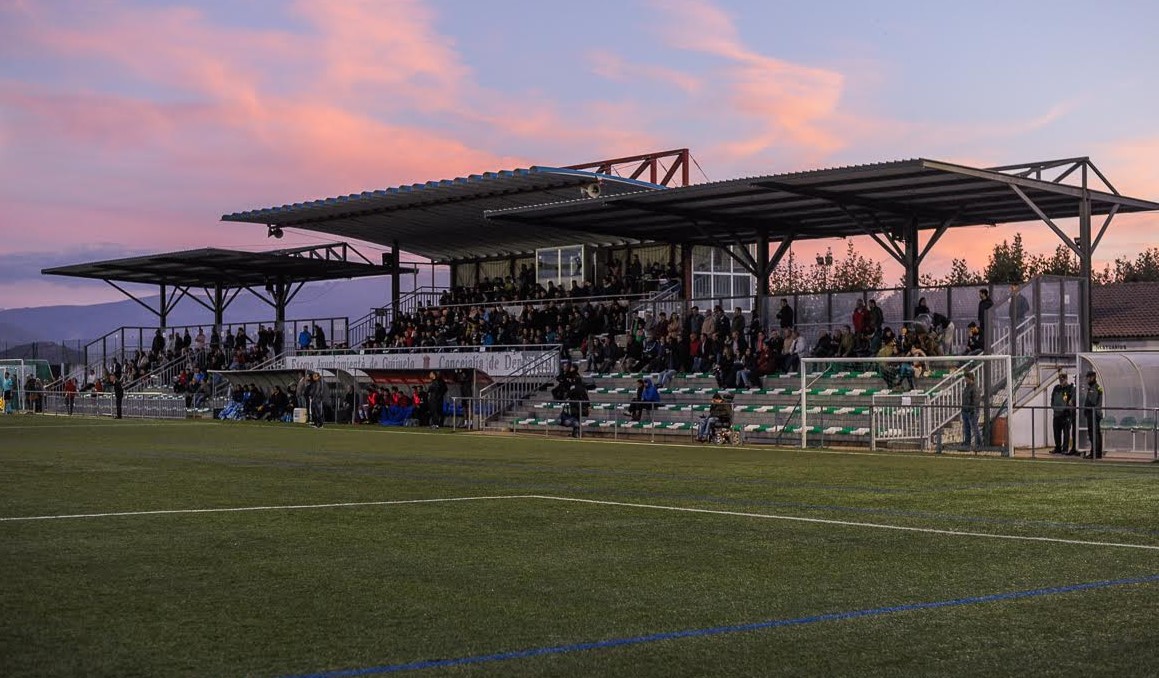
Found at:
(1062, 401)
(575, 408)
(984, 305)
(118, 393)
(436, 392)
(1093, 416)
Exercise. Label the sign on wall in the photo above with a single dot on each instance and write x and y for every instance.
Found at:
(494, 363)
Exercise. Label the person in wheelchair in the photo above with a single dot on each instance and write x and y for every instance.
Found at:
(719, 416)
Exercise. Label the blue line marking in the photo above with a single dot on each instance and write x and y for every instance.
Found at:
(720, 630)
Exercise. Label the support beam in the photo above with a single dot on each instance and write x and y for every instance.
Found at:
(1103, 228)
(1042, 215)
(912, 262)
(163, 314)
(942, 228)
(762, 279)
(395, 279)
(1086, 263)
(132, 296)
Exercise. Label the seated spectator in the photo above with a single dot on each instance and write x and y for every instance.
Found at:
(719, 414)
(575, 408)
(825, 346)
(633, 355)
(647, 396)
(845, 343)
(748, 376)
(794, 349)
(974, 344)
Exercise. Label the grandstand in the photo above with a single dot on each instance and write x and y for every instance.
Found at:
(545, 261)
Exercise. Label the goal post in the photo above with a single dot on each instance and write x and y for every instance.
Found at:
(911, 398)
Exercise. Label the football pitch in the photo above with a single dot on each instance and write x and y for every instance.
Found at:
(228, 549)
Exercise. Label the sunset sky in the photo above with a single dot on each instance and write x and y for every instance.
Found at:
(131, 127)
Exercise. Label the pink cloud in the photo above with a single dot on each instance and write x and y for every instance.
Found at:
(614, 67)
(783, 103)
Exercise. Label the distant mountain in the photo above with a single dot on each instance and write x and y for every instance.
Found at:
(347, 298)
(54, 353)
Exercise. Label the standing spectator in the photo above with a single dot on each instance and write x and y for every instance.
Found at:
(694, 322)
(738, 322)
(229, 342)
(200, 340)
(186, 340)
(1093, 416)
(118, 394)
(1062, 402)
(158, 342)
(436, 392)
(1019, 305)
(921, 309)
(319, 338)
(30, 395)
(785, 316)
(984, 306)
(877, 321)
(241, 340)
(860, 318)
(70, 394)
(7, 384)
(214, 339)
(971, 434)
(314, 397)
(304, 339)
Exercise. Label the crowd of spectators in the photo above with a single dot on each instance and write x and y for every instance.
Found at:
(567, 322)
(633, 279)
(183, 361)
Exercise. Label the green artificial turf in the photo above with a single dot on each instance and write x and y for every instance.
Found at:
(310, 590)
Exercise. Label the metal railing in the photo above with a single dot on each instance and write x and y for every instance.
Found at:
(133, 405)
(122, 342)
(918, 415)
(501, 396)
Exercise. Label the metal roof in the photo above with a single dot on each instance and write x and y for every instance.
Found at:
(230, 268)
(444, 220)
(826, 203)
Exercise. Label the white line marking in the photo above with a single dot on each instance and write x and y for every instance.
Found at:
(847, 523)
(261, 508)
(600, 502)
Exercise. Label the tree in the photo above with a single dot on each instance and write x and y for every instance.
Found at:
(1007, 263)
(1063, 262)
(960, 274)
(1145, 267)
(854, 272)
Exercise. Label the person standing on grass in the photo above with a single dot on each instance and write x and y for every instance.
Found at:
(436, 392)
(314, 398)
(1093, 416)
(1062, 402)
(69, 394)
(118, 394)
(971, 435)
